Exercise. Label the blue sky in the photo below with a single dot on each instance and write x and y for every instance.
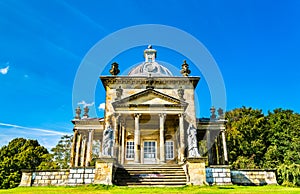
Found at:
(42, 43)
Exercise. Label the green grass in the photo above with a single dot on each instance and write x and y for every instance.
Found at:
(92, 189)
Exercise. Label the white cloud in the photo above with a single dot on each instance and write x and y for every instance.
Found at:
(101, 106)
(44, 131)
(85, 104)
(46, 137)
(4, 70)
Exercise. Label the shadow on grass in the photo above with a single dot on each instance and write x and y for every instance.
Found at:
(226, 188)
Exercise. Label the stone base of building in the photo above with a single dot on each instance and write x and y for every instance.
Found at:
(104, 171)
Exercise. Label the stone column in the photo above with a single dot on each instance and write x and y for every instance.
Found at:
(83, 151)
(77, 157)
(209, 146)
(181, 136)
(123, 145)
(89, 150)
(137, 139)
(73, 149)
(116, 136)
(224, 146)
(162, 118)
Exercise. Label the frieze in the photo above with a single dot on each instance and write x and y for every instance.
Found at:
(156, 82)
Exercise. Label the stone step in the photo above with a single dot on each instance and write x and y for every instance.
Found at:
(144, 183)
(150, 175)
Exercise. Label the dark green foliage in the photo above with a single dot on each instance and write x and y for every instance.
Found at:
(259, 141)
(19, 154)
(246, 134)
(62, 151)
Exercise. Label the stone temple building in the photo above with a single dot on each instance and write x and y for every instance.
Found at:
(149, 136)
(150, 118)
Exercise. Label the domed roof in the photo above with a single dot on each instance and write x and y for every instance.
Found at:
(150, 67)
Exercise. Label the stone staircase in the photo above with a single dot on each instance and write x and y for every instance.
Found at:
(150, 175)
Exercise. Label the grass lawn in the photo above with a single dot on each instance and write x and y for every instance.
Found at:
(92, 189)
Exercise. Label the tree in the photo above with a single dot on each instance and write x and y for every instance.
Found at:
(246, 137)
(62, 151)
(272, 141)
(19, 154)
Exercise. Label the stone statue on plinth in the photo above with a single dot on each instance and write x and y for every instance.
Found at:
(192, 142)
(107, 141)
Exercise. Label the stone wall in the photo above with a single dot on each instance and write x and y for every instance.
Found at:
(45, 178)
(218, 175)
(253, 177)
(79, 176)
(72, 177)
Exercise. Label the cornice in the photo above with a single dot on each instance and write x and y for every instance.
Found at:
(156, 82)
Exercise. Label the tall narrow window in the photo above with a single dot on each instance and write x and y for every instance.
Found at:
(169, 150)
(129, 150)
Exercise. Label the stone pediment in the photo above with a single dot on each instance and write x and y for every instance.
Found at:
(149, 98)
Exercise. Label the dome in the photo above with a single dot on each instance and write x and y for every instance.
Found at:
(150, 67)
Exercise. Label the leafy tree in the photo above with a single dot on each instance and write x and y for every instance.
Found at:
(283, 137)
(246, 137)
(272, 141)
(62, 152)
(19, 154)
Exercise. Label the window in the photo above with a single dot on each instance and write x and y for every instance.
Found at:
(129, 150)
(169, 150)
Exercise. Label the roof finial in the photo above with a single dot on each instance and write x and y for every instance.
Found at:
(185, 71)
(114, 69)
(150, 54)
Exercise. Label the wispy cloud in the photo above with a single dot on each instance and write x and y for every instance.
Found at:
(45, 132)
(85, 104)
(101, 106)
(4, 70)
(46, 137)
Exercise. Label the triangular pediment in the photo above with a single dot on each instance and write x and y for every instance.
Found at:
(149, 98)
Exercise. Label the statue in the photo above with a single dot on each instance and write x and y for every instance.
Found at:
(119, 92)
(107, 141)
(192, 142)
(180, 92)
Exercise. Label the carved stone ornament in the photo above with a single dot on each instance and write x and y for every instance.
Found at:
(213, 113)
(114, 69)
(86, 112)
(180, 92)
(119, 92)
(192, 142)
(221, 113)
(185, 71)
(78, 112)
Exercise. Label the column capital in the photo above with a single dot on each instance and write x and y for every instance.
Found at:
(163, 115)
(137, 115)
(117, 115)
(181, 114)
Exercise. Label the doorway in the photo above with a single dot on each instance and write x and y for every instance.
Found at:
(149, 152)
